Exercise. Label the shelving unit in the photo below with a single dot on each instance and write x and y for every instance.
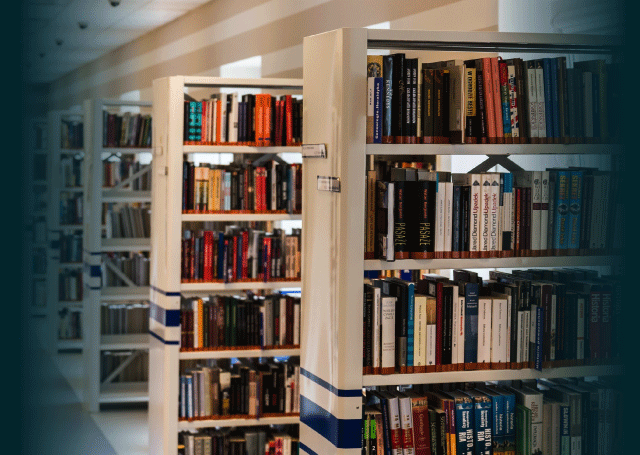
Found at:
(167, 226)
(100, 386)
(335, 87)
(35, 217)
(64, 145)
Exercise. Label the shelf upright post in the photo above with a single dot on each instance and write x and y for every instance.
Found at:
(164, 310)
(333, 242)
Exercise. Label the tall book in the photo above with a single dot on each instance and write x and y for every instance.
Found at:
(374, 99)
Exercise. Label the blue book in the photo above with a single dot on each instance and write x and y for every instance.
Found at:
(561, 212)
(464, 422)
(555, 113)
(377, 110)
(483, 422)
(455, 220)
(565, 429)
(510, 419)
(575, 210)
(410, 323)
(471, 291)
(498, 431)
(548, 98)
(539, 315)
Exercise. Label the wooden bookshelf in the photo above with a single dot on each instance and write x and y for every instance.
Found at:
(167, 224)
(335, 87)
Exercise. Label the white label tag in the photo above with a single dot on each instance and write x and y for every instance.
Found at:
(314, 151)
(329, 184)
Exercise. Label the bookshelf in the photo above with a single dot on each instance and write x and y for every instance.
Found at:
(35, 216)
(167, 230)
(333, 240)
(118, 167)
(65, 185)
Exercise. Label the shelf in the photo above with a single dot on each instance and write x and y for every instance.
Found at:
(129, 341)
(491, 263)
(72, 303)
(240, 216)
(124, 392)
(111, 294)
(109, 195)
(243, 353)
(493, 149)
(71, 151)
(125, 244)
(65, 227)
(489, 375)
(70, 344)
(193, 425)
(69, 265)
(240, 149)
(72, 189)
(221, 287)
(127, 150)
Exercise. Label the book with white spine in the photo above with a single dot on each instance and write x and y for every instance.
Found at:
(544, 212)
(474, 216)
(494, 218)
(485, 213)
(536, 212)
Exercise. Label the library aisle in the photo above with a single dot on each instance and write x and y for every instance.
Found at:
(60, 425)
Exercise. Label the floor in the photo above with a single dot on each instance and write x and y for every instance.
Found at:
(59, 424)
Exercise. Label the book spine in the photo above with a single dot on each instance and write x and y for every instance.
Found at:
(406, 425)
(548, 98)
(536, 213)
(514, 101)
(474, 216)
(400, 240)
(575, 209)
(543, 132)
(561, 212)
(489, 98)
(504, 98)
(497, 99)
(471, 325)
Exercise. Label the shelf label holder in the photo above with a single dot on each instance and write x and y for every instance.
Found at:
(314, 151)
(331, 184)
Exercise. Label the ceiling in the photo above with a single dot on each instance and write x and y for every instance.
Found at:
(55, 43)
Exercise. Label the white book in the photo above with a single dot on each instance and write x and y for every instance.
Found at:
(223, 117)
(377, 324)
(499, 340)
(431, 331)
(394, 419)
(544, 211)
(485, 211)
(440, 216)
(536, 220)
(282, 311)
(388, 331)
(540, 113)
(494, 218)
(419, 331)
(458, 328)
(448, 215)
(214, 119)
(474, 214)
(233, 120)
(406, 420)
(506, 317)
(484, 329)
(296, 326)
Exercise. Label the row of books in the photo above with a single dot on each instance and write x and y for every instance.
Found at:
(533, 318)
(135, 266)
(114, 172)
(126, 129)
(250, 321)
(240, 254)
(70, 247)
(242, 391)
(548, 417)
(69, 324)
(415, 213)
(136, 370)
(249, 441)
(251, 119)
(270, 186)
(70, 285)
(132, 220)
(120, 319)
(491, 100)
(71, 134)
(71, 171)
(71, 207)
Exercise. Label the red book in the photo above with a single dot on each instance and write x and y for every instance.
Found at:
(208, 259)
(489, 102)
(420, 422)
(288, 99)
(266, 261)
(192, 257)
(245, 254)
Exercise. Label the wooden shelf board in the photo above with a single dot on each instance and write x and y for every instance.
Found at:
(127, 150)
(129, 341)
(125, 244)
(206, 287)
(239, 149)
(124, 392)
(493, 149)
(249, 353)
(491, 263)
(124, 293)
(240, 217)
(286, 420)
(489, 375)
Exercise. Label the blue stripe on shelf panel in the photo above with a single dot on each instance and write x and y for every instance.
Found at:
(95, 288)
(342, 433)
(158, 337)
(329, 387)
(168, 318)
(168, 294)
(95, 271)
(307, 449)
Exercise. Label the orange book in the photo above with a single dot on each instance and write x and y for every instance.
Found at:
(489, 102)
(260, 106)
(289, 119)
(267, 120)
(497, 100)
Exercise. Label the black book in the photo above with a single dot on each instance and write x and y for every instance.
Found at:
(398, 106)
(471, 101)
(480, 120)
(438, 101)
(427, 104)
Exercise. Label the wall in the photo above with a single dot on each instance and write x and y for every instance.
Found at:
(264, 35)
